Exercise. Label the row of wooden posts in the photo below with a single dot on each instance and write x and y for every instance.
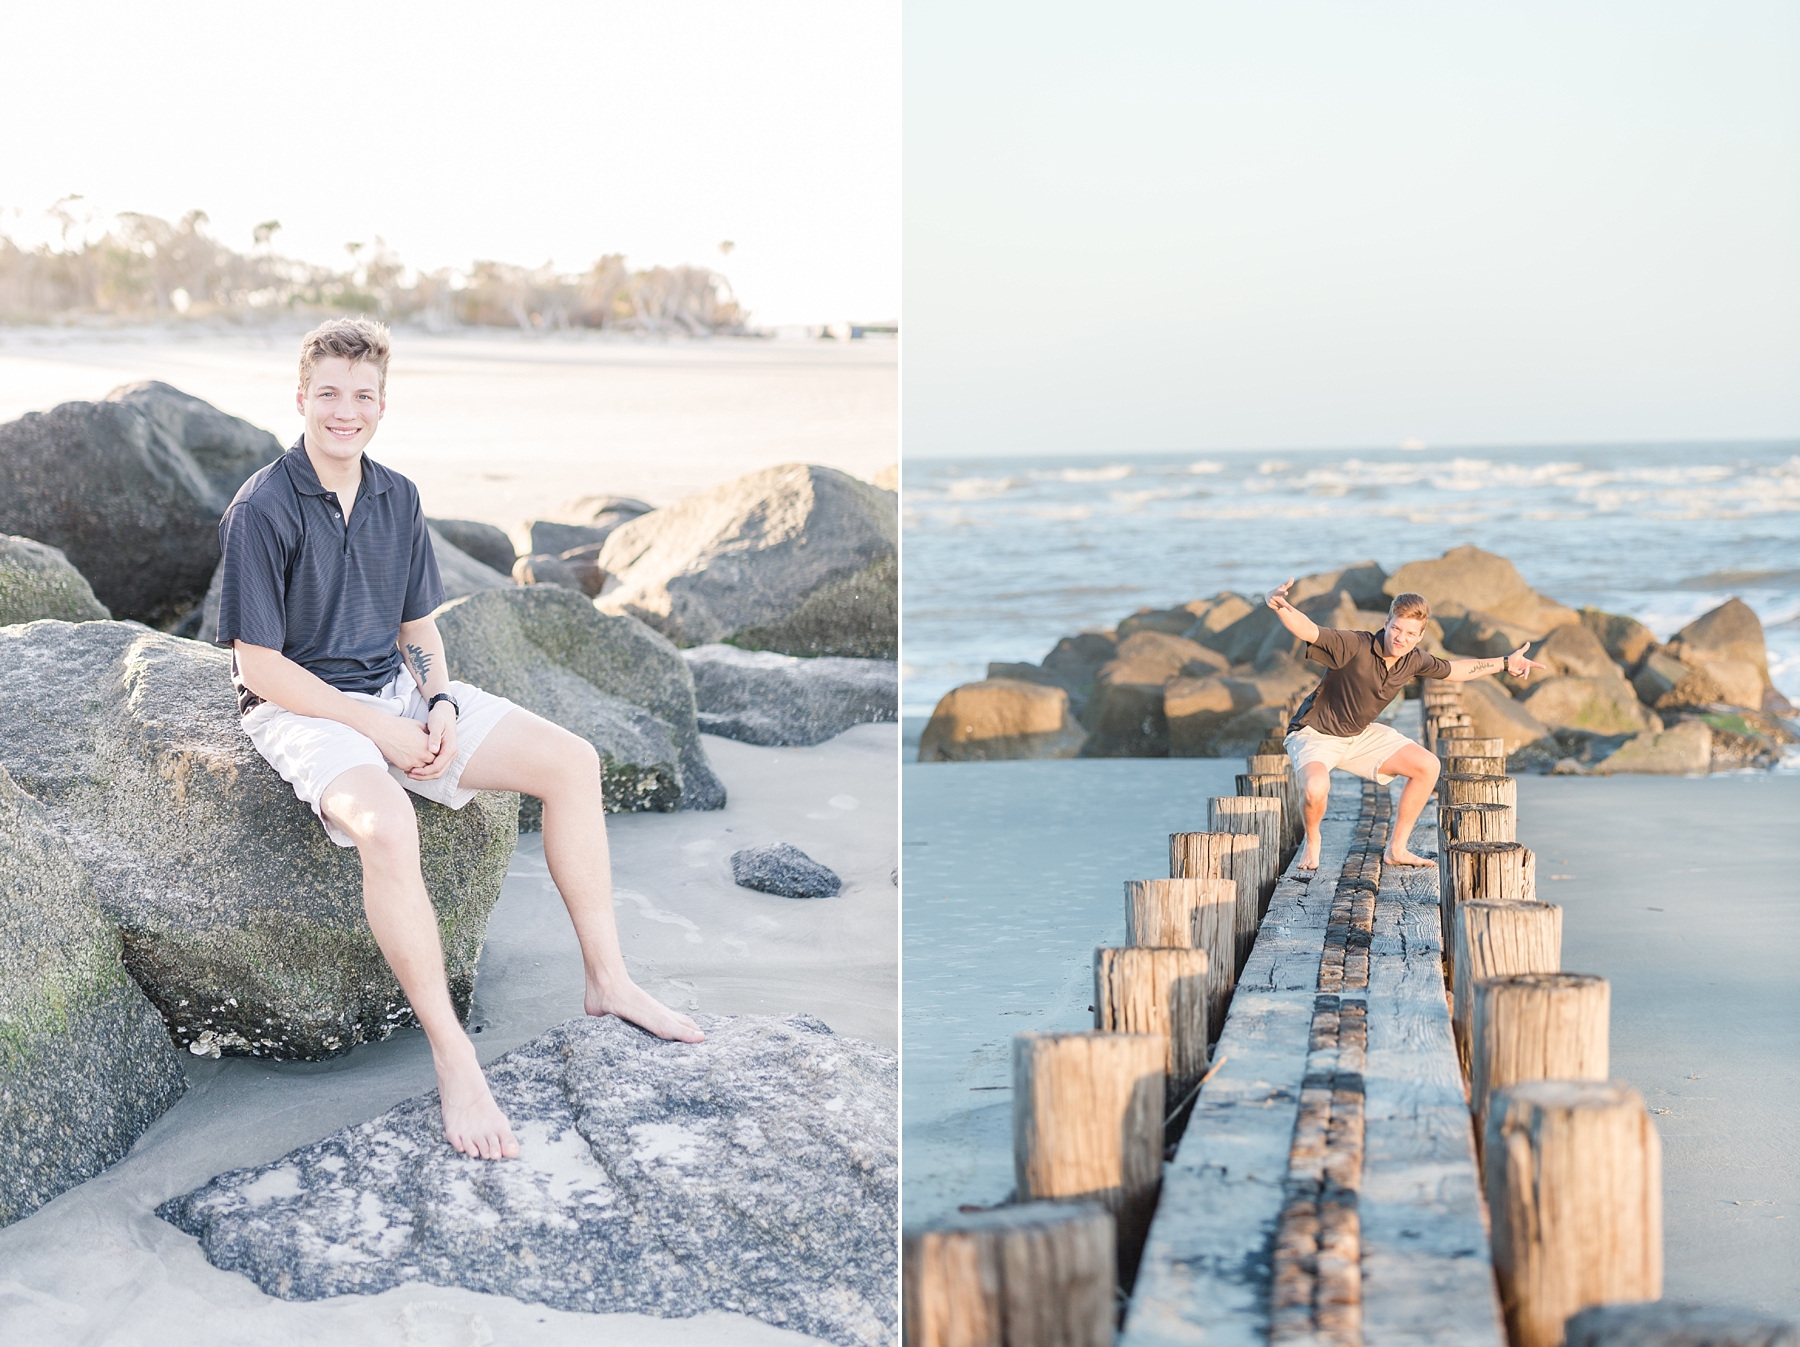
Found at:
(1570, 1161)
(1571, 1164)
(1093, 1111)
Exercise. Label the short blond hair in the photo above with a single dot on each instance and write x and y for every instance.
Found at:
(357, 340)
(1410, 605)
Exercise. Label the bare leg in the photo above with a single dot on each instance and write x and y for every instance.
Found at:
(1421, 772)
(369, 804)
(527, 753)
(1315, 786)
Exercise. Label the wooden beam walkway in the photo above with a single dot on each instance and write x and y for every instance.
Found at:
(1325, 1190)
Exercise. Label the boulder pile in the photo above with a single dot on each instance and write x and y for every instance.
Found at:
(756, 1172)
(1215, 676)
(760, 697)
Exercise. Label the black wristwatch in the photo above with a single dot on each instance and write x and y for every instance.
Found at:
(443, 697)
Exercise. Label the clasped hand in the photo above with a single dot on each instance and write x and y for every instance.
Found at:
(423, 752)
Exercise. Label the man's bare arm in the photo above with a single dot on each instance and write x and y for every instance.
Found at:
(1466, 670)
(422, 648)
(274, 677)
(1291, 617)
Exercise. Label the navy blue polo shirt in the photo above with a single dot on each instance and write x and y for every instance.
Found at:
(329, 596)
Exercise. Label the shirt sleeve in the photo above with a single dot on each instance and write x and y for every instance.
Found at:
(1432, 666)
(1331, 647)
(424, 587)
(253, 579)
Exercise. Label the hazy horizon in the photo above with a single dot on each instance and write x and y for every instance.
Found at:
(561, 134)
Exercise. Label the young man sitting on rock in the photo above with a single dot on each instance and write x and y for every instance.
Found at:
(326, 599)
(1337, 725)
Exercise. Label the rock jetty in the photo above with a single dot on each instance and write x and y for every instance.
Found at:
(1215, 676)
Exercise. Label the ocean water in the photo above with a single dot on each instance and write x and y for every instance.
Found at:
(1004, 556)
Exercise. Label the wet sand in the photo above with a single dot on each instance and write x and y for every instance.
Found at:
(1683, 892)
(97, 1266)
(502, 427)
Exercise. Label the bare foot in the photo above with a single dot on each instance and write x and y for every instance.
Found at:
(1403, 857)
(473, 1122)
(629, 1001)
(1309, 858)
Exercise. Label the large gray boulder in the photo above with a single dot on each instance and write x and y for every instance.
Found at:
(1681, 750)
(1495, 715)
(760, 697)
(1575, 650)
(1604, 705)
(998, 719)
(460, 574)
(1625, 639)
(610, 679)
(487, 543)
(1732, 631)
(240, 919)
(38, 581)
(798, 559)
(85, 1063)
(1467, 578)
(130, 489)
(756, 1172)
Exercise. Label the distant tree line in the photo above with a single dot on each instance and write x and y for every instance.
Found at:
(144, 268)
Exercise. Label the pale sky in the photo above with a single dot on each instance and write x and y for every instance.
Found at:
(523, 132)
(1278, 225)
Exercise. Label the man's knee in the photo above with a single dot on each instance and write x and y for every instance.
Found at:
(373, 808)
(1316, 785)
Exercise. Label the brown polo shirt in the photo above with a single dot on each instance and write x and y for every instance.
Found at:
(1359, 684)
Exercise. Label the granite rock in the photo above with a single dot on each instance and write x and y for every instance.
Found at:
(609, 679)
(1574, 650)
(1467, 578)
(240, 919)
(797, 558)
(1606, 705)
(760, 697)
(85, 1064)
(783, 870)
(1684, 749)
(1001, 718)
(37, 581)
(487, 543)
(545, 568)
(1497, 716)
(1732, 631)
(1625, 639)
(130, 489)
(756, 1172)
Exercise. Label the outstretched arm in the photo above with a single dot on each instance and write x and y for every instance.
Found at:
(1464, 670)
(1291, 617)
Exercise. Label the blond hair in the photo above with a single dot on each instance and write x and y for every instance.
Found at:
(1410, 605)
(357, 340)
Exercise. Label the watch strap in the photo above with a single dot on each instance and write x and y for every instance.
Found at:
(443, 697)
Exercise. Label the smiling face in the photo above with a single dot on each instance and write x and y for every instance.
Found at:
(1403, 633)
(342, 403)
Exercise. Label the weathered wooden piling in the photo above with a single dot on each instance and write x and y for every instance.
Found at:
(1039, 1274)
(1500, 872)
(1573, 1172)
(1464, 743)
(1189, 914)
(1469, 823)
(1276, 787)
(1158, 991)
(1283, 767)
(1483, 788)
(1260, 817)
(1461, 765)
(1088, 1124)
(1498, 940)
(1234, 856)
(1535, 1026)
(1661, 1324)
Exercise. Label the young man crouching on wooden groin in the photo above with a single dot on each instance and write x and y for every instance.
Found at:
(1337, 725)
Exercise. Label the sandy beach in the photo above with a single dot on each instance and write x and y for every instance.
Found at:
(97, 1266)
(1678, 890)
(502, 427)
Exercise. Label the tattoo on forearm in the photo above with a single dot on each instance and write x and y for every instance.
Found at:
(421, 660)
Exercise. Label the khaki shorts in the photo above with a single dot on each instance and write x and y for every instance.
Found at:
(1361, 756)
(311, 753)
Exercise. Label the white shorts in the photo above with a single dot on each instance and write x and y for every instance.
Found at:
(1360, 756)
(311, 753)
